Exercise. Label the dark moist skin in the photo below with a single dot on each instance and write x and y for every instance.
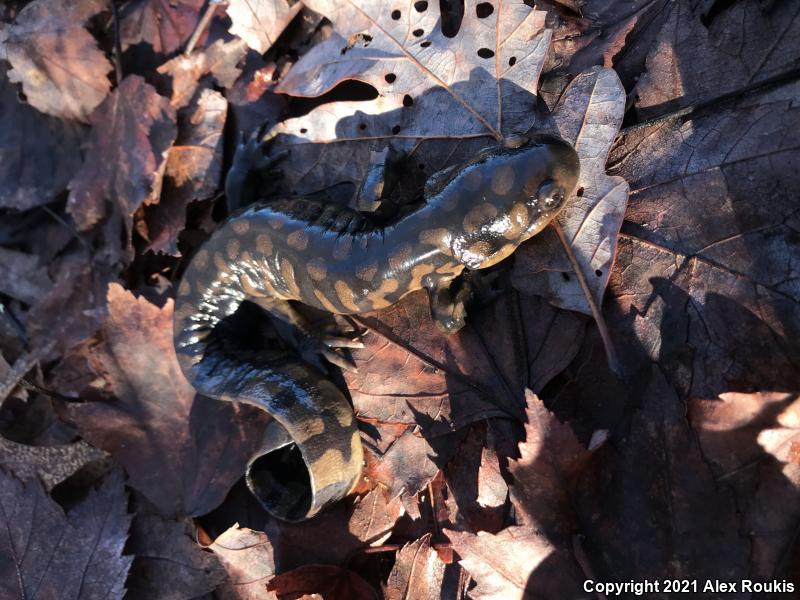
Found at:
(340, 260)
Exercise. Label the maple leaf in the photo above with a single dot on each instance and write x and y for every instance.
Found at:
(260, 22)
(132, 131)
(181, 450)
(247, 556)
(62, 71)
(46, 553)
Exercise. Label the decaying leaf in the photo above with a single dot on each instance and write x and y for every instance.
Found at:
(546, 473)
(439, 98)
(164, 25)
(418, 572)
(62, 71)
(181, 450)
(48, 554)
(168, 563)
(694, 61)
(753, 443)
(132, 131)
(193, 171)
(50, 464)
(517, 563)
(21, 276)
(219, 61)
(260, 22)
(246, 555)
(38, 153)
(588, 115)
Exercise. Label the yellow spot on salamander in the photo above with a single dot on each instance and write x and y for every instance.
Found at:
(345, 295)
(479, 216)
(417, 273)
(400, 256)
(368, 271)
(200, 259)
(378, 297)
(341, 247)
(232, 249)
(264, 244)
(287, 272)
(240, 226)
(317, 269)
(503, 180)
(185, 288)
(519, 221)
(297, 239)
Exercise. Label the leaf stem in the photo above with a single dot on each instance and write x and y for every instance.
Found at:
(611, 354)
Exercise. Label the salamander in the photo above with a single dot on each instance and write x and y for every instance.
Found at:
(340, 260)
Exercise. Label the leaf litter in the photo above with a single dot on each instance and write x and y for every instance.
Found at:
(692, 284)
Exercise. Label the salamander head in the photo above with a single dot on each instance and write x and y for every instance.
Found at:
(519, 191)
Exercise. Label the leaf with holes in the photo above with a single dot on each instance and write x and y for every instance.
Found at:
(62, 71)
(439, 97)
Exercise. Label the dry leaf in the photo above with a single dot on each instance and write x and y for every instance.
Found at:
(47, 554)
(588, 115)
(62, 71)
(132, 131)
(181, 450)
(246, 555)
(164, 25)
(168, 563)
(321, 581)
(517, 563)
(260, 22)
(50, 464)
(417, 573)
(193, 172)
(38, 153)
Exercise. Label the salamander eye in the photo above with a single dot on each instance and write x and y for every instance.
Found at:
(549, 195)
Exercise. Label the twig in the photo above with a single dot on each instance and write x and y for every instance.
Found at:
(611, 353)
(202, 24)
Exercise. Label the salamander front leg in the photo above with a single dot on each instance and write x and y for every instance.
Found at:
(250, 167)
(448, 305)
(381, 178)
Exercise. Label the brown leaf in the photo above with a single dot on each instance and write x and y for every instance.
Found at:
(50, 464)
(708, 270)
(417, 573)
(589, 115)
(47, 554)
(185, 72)
(181, 450)
(329, 581)
(132, 131)
(164, 25)
(168, 563)
(38, 152)
(695, 59)
(247, 557)
(62, 71)
(752, 441)
(517, 563)
(194, 169)
(440, 98)
(546, 473)
(260, 22)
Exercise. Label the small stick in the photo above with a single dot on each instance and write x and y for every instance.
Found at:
(611, 353)
(202, 24)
